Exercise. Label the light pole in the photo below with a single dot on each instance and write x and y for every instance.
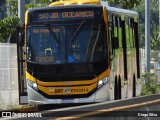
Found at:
(147, 35)
(159, 19)
(21, 10)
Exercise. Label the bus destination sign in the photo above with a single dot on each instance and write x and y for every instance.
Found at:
(69, 15)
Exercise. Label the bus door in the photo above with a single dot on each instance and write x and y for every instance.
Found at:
(23, 99)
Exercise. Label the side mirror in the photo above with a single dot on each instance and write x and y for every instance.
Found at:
(115, 43)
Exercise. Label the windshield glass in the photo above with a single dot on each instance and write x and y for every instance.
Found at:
(89, 43)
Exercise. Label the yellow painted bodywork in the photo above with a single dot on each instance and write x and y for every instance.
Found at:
(70, 2)
(30, 77)
(67, 83)
(26, 18)
(72, 89)
(106, 21)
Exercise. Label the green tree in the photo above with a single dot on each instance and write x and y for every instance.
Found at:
(7, 27)
(12, 6)
(41, 3)
(126, 4)
(154, 32)
(155, 41)
(141, 11)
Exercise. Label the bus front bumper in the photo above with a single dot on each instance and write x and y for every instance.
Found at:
(101, 95)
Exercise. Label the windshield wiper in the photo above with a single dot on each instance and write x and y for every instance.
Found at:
(78, 31)
(94, 46)
(48, 25)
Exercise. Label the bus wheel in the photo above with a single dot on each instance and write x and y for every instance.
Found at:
(119, 87)
(115, 89)
(134, 86)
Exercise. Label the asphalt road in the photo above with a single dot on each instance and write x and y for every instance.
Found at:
(129, 109)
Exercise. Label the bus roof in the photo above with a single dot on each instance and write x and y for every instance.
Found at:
(76, 2)
(95, 2)
(86, 3)
(118, 10)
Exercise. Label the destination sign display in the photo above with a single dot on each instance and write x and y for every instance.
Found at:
(44, 30)
(65, 15)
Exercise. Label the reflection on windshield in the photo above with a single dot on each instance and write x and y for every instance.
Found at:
(42, 45)
(89, 44)
(48, 25)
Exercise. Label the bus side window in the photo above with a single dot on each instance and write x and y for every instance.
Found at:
(110, 33)
(110, 37)
(115, 27)
(119, 32)
(127, 32)
(115, 40)
(132, 31)
(124, 47)
(137, 48)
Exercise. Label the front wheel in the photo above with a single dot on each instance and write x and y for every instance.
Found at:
(134, 86)
(119, 87)
(115, 89)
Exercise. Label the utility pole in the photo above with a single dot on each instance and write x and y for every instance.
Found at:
(159, 19)
(147, 35)
(21, 10)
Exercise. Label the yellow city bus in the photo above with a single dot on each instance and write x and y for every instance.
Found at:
(78, 52)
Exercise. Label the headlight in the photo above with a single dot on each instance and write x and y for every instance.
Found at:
(103, 81)
(33, 84)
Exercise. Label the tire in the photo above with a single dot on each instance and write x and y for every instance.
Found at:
(119, 87)
(115, 89)
(134, 85)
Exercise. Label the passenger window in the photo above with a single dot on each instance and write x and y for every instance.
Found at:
(115, 26)
(110, 31)
(119, 32)
(127, 32)
(132, 31)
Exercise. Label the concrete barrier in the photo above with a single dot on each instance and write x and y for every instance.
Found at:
(8, 76)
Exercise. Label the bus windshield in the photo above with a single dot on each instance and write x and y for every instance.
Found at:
(66, 43)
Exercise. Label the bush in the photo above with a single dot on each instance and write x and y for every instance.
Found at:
(7, 27)
(150, 87)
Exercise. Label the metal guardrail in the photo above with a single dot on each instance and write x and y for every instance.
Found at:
(138, 108)
(106, 109)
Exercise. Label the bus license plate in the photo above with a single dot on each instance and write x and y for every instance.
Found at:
(67, 100)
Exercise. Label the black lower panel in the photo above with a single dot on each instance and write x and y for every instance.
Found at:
(66, 72)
